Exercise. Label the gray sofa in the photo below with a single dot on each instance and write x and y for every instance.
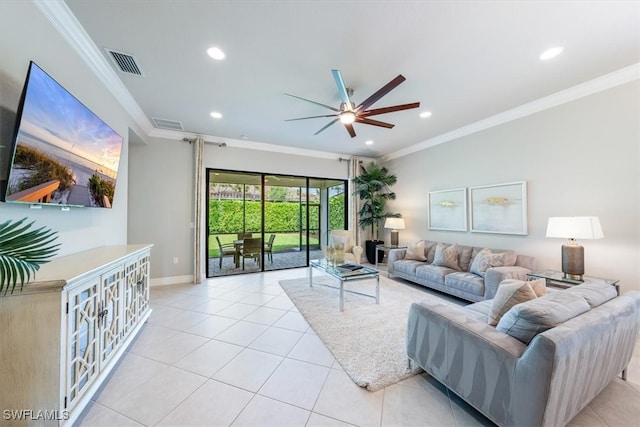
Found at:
(542, 382)
(463, 281)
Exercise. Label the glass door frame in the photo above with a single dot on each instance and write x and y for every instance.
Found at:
(304, 207)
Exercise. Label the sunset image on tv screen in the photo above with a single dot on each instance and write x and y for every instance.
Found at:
(64, 154)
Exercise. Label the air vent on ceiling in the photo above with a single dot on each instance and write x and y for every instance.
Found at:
(125, 62)
(167, 124)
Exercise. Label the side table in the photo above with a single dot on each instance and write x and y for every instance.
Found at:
(556, 279)
(385, 249)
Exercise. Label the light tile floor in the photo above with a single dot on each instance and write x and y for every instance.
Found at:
(235, 352)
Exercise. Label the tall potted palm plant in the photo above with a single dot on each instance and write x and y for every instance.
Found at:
(372, 186)
(22, 251)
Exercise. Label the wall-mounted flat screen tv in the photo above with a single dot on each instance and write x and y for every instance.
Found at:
(62, 153)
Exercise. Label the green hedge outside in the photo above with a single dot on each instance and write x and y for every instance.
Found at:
(225, 216)
(281, 218)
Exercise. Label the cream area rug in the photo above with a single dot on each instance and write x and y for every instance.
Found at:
(367, 339)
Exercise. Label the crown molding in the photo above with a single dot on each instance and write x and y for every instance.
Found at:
(58, 13)
(616, 78)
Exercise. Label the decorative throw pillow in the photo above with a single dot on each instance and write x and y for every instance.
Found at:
(524, 321)
(416, 252)
(446, 256)
(484, 260)
(509, 293)
(539, 286)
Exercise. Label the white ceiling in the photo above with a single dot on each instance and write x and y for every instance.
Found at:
(465, 61)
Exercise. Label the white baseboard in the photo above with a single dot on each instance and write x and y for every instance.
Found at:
(175, 280)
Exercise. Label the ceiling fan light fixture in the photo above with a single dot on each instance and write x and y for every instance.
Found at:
(347, 117)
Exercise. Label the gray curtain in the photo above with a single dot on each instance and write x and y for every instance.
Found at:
(354, 202)
(198, 232)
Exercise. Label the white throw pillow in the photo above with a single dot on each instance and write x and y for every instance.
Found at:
(416, 252)
(446, 256)
(484, 260)
(509, 293)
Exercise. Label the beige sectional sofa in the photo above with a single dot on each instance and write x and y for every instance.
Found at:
(546, 359)
(471, 273)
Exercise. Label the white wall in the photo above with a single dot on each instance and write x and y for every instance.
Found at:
(579, 159)
(25, 34)
(161, 194)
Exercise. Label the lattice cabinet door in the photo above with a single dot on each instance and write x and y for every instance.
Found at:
(142, 284)
(82, 333)
(110, 315)
(130, 313)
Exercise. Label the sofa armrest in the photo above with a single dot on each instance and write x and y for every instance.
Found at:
(394, 255)
(465, 354)
(357, 253)
(494, 275)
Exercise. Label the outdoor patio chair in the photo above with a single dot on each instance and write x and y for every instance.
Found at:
(242, 236)
(268, 247)
(225, 250)
(251, 248)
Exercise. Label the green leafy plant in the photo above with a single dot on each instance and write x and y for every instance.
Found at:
(22, 251)
(372, 186)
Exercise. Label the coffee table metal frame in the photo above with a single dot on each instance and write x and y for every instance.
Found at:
(345, 276)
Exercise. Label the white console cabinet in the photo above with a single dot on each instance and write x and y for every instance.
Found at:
(61, 336)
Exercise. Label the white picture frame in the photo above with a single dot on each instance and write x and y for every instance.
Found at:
(448, 210)
(499, 208)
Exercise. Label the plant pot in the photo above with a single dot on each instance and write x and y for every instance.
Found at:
(370, 250)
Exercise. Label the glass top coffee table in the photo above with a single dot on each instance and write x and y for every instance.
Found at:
(345, 274)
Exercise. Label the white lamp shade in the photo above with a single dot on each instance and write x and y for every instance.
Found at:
(394, 223)
(574, 227)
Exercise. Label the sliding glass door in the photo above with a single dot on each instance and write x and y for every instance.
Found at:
(290, 215)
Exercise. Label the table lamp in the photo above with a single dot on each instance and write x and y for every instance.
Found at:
(395, 224)
(572, 228)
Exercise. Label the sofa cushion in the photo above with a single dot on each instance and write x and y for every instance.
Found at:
(464, 257)
(486, 259)
(524, 321)
(407, 266)
(595, 293)
(416, 252)
(446, 256)
(509, 293)
(433, 273)
(466, 282)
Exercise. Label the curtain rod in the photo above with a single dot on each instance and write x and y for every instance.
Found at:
(219, 144)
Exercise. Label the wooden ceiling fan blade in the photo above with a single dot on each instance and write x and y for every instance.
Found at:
(310, 117)
(374, 122)
(342, 89)
(313, 102)
(350, 129)
(386, 110)
(381, 92)
(326, 126)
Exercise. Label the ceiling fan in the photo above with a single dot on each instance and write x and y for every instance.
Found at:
(348, 113)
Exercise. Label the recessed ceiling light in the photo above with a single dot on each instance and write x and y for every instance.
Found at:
(216, 115)
(369, 142)
(425, 114)
(551, 53)
(216, 53)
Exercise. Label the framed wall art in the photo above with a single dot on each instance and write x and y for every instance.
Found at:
(448, 210)
(500, 208)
